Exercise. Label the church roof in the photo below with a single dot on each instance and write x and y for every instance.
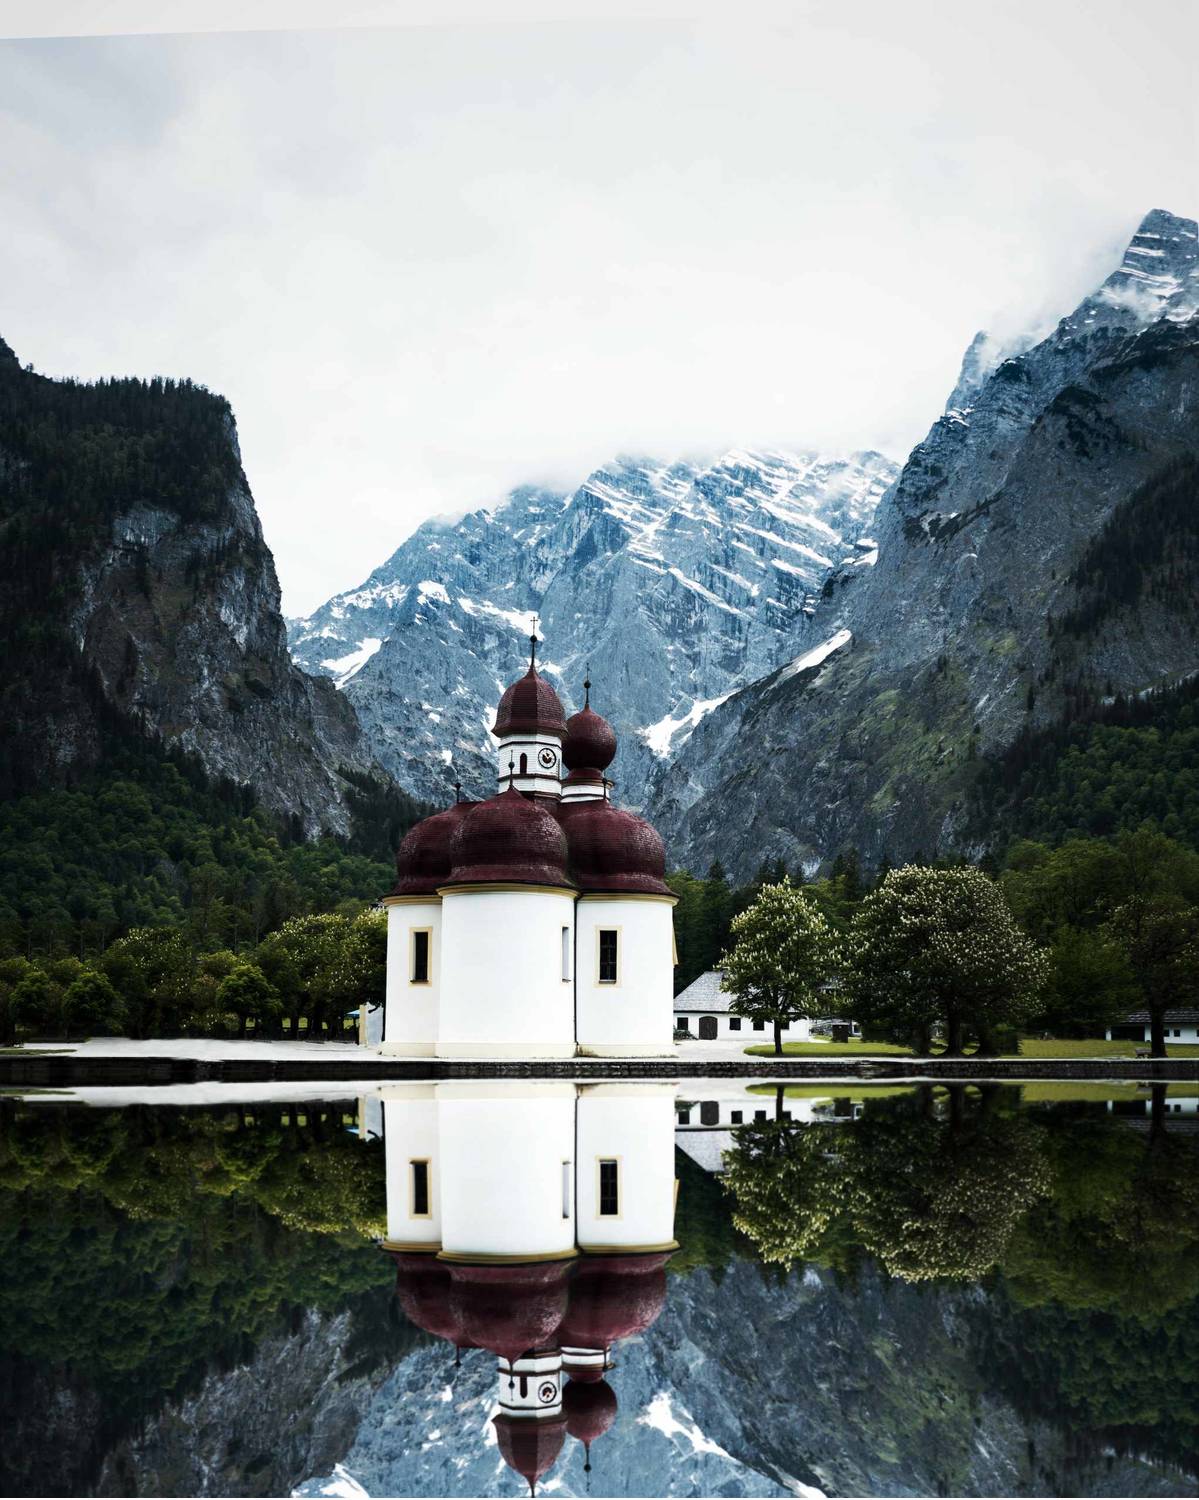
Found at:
(530, 706)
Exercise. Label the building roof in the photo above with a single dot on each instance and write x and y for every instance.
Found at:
(1187, 1015)
(704, 993)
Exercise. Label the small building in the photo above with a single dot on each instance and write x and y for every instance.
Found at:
(538, 922)
(1181, 1026)
(702, 1009)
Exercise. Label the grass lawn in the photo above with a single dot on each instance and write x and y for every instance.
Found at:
(833, 1049)
(1029, 1047)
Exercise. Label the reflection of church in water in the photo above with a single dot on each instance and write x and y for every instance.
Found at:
(535, 1222)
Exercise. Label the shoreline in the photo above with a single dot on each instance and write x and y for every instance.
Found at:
(42, 1067)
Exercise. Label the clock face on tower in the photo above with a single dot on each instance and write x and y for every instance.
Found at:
(547, 758)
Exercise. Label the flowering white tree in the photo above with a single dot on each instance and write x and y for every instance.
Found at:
(941, 946)
(782, 952)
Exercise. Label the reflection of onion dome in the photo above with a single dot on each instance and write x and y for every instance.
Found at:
(529, 706)
(589, 1409)
(423, 858)
(590, 742)
(510, 1309)
(613, 1297)
(508, 838)
(424, 1288)
(529, 1447)
(613, 850)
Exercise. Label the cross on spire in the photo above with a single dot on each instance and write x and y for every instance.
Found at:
(533, 646)
(587, 688)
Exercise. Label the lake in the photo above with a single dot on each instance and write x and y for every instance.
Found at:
(710, 1288)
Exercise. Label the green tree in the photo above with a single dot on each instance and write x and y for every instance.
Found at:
(940, 946)
(782, 954)
(93, 1006)
(37, 1003)
(1159, 935)
(249, 995)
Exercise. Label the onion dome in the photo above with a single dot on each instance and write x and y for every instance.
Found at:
(613, 1297)
(613, 850)
(510, 1309)
(589, 1410)
(424, 1289)
(530, 705)
(529, 1447)
(423, 858)
(508, 838)
(590, 743)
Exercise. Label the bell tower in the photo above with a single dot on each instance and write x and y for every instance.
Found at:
(530, 727)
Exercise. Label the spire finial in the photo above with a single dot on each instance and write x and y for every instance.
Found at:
(457, 791)
(587, 688)
(533, 646)
(511, 773)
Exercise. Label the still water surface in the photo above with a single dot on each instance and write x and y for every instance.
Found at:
(616, 1290)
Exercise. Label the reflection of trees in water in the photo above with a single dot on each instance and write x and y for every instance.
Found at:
(930, 1186)
(1090, 1222)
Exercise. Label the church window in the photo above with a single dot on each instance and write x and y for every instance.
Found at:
(566, 1190)
(524, 764)
(420, 955)
(609, 955)
(420, 1189)
(565, 954)
(609, 1188)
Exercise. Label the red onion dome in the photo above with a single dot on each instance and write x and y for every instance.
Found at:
(613, 1297)
(510, 1309)
(528, 1446)
(529, 706)
(613, 850)
(508, 838)
(589, 1409)
(423, 858)
(590, 742)
(424, 1289)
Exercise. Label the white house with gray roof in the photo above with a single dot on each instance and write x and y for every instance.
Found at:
(702, 1009)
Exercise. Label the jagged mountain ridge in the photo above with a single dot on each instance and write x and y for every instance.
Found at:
(674, 582)
(953, 643)
(139, 597)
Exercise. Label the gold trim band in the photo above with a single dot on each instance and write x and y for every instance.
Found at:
(629, 1249)
(627, 896)
(430, 900)
(506, 885)
(402, 1247)
(462, 1259)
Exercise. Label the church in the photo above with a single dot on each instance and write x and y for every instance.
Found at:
(537, 923)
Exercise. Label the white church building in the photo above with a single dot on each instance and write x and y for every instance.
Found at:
(537, 923)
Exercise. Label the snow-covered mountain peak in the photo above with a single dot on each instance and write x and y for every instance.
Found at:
(676, 579)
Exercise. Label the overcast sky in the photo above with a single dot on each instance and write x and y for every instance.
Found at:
(427, 263)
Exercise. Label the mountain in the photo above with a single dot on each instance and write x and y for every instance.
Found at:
(139, 602)
(675, 583)
(1038, 557)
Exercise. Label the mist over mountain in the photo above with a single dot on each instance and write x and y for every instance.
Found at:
(673, 583)
(1036, 559)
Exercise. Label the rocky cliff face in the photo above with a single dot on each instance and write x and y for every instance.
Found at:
(139, 596)
(675, 582)
(755, 1386)
(989, 608)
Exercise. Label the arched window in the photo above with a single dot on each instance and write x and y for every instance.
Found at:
(524, 765)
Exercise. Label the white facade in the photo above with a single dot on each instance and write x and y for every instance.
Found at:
(628, 1017)
(1176, 1031)
(700, 1024)
(412, 1010)
(632, 1125)
(503, 991)
(533, 762)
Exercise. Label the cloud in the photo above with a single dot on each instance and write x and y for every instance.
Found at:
(428, 264)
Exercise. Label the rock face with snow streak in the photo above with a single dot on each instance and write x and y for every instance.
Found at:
(955, 640)
(757, 1386)
(675, 582)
